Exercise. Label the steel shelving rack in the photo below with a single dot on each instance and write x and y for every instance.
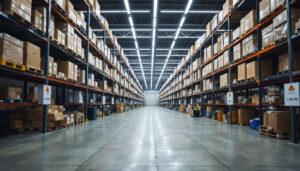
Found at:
(230, 22)
(48, 47)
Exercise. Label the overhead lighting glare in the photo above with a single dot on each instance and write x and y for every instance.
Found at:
(155, 4)
(191, 11)
(174, 41)
(177, 33)
(135, 41)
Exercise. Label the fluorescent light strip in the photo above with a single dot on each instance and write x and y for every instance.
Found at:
(135, 40)
(189, 4)
(122, 11)
(192, 11)
(155, 6)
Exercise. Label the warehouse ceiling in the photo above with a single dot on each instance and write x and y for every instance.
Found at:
(169, 15)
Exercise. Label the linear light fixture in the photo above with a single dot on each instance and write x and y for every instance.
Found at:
(157, 49)
(155, 6)
(186, 11)
(123, 11)
(135, 39)
(192, 11)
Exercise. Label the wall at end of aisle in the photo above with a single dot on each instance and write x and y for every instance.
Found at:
(151, 97)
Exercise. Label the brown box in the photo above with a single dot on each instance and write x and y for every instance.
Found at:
(224, 80)
(226, 7)
(37, 19)
(267, 69)
(252, 70)
(242, 72)
(283, 64)
(249, 45)
(10, 93)
(245, 115)
(61, 4)
(21, 8)
(32, 55)
(250, 22)
(75, 69)
(264, 9)
(267, 36)
(67, 68)
(255, 99)
(11, 49)
(70, 12)
(54, 68)
(237, 51)
(208, 29)
(278, 120)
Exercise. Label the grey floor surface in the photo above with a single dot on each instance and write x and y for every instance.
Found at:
(146, 139)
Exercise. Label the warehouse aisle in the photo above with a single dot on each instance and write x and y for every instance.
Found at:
(149, 138)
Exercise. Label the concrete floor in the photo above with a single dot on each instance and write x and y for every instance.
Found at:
(149, 138)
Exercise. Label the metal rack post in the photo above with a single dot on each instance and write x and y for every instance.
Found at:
(291, 69)
(87, 46)
(47, 54)
(229, 70)
(213, 77)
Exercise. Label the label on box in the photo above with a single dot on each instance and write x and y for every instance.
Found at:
(291, 94)
(45, 95)
(230, 98)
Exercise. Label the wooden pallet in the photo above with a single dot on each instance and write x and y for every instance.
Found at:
(241, 81)
(251, 79)
(282, 38)
(244, 124)
(12, 64)
(271, 44)
(58, 43)
(278, 135)
(33, 69)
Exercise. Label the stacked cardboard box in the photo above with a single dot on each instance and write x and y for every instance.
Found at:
(280, 24)
(264, 9)
(267, 36)
(245, 115)
(236, 33)
(277, 121)
(242, 72)
(248, 22)
(224, 79)
(21, 8)
(70, 11)
(69, 69)
(37, 19)
(32, 55)
(227, 7)
(10, 93)
(252, 70)
(274, 95)
(283, 64)
(59, 36)
(237, 51)
(249, 45)
(11, 49)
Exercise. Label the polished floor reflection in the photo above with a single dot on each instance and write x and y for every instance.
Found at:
(146, 139)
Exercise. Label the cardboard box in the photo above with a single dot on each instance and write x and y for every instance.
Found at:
(283, 64)
(32, 55)
(67, 68)
(252, 70)
(267, 36)
(10, 93)
(37, 19)
(61, 4)
(278, 120)
(245, 115)
(224, 80)
(11, 49)
(249, 45)
(81, 76)
(264, 9)
(21, 8)
(208, 29)
(268, 70)
(54, 68)
(237, 51)
(242, 72)
(236, 33)
(250, 22)
(255, 99)
(70, 12)
(226, 7)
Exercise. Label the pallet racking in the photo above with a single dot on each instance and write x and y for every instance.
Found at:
(170, 94)
(104, 98)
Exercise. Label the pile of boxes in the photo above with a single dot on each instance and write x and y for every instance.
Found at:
(274, 95)
(277, 121)
(20, 8)
(10, 93)
(69, 69)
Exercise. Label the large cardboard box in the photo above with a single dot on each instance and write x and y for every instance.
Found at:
(245, 115)
(249, 45)
(10, 93)
(32, 55)
(37, 19)
(248, 22)
(267, 67)
(242, 72)
(208, 28)
(252, 70)
(237, 51)
(21, 8)
(11, 49)
(61, 4)
(70, 12)
(67, 68)
(264, 9)
(283, 64)
(81, 76)
(267, 36)
(226, 7)
(278, 121)
(224, 80)
(255, 99)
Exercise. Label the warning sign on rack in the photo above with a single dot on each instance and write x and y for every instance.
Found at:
(230, 98)
(291, 94)
(45, 95)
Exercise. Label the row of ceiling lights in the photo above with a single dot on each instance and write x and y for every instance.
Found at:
(162, 11)
(155, 5)
(135, 39)
(176, 36)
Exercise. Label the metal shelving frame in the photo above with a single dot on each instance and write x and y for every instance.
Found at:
(48, 47)
(283, 78)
